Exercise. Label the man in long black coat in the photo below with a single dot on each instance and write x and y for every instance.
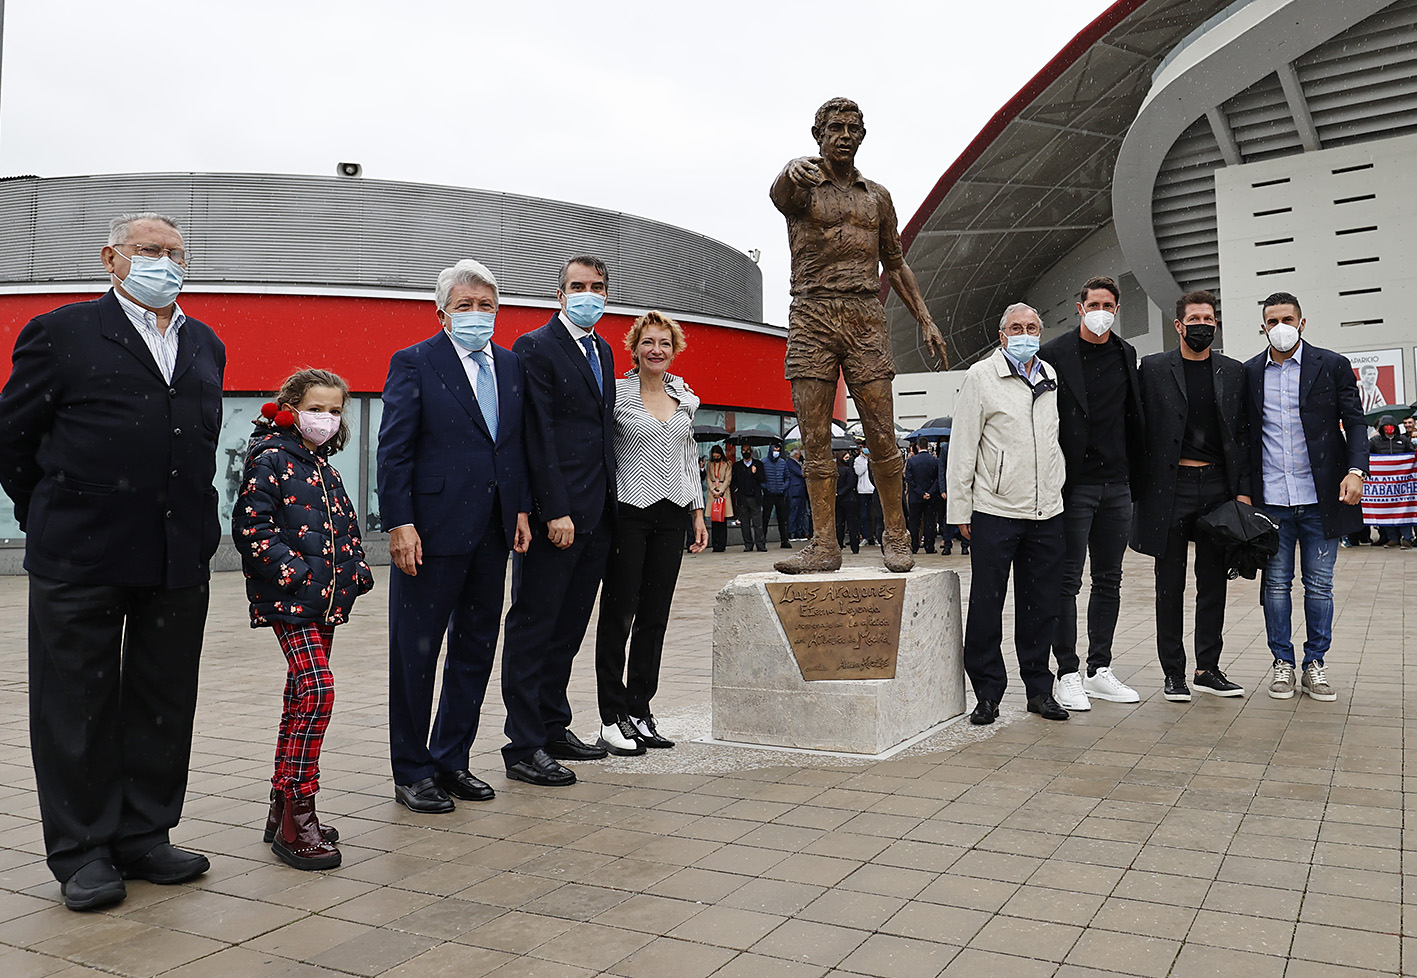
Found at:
(108, 430)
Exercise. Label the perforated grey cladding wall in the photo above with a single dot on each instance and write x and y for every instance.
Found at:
(332, 232)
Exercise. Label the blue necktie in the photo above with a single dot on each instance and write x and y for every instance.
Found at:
(588, 342)
(487, 390)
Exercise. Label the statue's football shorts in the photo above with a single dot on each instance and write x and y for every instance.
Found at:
(846, 331)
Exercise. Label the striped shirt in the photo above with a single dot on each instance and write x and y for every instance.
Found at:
(162, 345)
(656, 459)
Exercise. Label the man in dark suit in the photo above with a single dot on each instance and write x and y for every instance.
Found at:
(1199, 437)
(1104, 443)
(922, 498)
(748, 498)
(570, 430)
(452, 487)
(1310, 453)
(108, 430)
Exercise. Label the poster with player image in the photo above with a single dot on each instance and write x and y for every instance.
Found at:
(1380, 380)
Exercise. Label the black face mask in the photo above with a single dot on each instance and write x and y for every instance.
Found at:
(1199, 336)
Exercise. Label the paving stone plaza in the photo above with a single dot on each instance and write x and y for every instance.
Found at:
(1250, 838)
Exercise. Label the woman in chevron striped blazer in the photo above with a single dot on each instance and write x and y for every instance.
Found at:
(658, 485)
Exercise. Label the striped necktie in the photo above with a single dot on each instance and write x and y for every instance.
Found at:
(486, 390)
(588, 343)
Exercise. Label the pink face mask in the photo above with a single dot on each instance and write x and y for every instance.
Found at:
(318, 426)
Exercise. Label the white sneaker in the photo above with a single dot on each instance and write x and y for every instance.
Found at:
(1069, 693)
(1106, 686)
(615, 738)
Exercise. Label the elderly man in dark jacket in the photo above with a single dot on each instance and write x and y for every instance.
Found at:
(108, 429)
(1198, 458)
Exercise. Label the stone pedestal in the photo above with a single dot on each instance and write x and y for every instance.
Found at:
(761, 697)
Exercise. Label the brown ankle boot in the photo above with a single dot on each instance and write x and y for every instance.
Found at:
(330, 833)
(299, 842)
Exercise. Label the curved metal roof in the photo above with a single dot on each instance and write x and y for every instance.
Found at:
(1037, 180)
(288, 233)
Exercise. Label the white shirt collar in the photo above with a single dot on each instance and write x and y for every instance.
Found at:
(576, 332)
(141, 314)
(464, 351)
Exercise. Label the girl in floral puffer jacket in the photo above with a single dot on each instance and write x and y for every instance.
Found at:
(298, 537)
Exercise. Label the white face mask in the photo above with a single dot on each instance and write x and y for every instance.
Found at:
(1283, 337)
(1098, 321)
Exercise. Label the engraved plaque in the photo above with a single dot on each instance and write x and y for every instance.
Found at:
(841, 629)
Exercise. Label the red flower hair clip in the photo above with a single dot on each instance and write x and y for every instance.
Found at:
(277, 415)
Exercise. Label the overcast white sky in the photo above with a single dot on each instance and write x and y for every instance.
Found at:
(678, 112)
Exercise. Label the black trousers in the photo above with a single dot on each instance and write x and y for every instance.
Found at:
(718, 535)
(748, 509)
(868, 508)
(460, 595)
(1034, 550)
(634, 605)
(775, 501)
(1198, 490)
(1097, 522)
(848, 520)
(922, 516)
(113, 690)
(553, 594)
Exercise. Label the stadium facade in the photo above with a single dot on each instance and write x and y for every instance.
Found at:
(1248, 148)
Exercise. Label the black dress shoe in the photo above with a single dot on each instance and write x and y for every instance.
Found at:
(165, 864)
(540, 769)
(985, 712)
(1047, 707)
(461, 784)
(423, 797)
(574, 749)
(647, 733)
(93, 885)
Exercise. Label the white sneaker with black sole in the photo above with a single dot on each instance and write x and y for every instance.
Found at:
(619, 738)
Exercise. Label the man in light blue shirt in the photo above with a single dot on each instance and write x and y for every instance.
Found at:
(1312, 455)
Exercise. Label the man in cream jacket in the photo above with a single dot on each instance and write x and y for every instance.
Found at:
(1005, 493)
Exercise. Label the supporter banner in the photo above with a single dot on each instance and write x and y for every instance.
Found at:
(1390, 494)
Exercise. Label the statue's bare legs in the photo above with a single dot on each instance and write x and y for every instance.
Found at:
(813, 401)
(876, 405)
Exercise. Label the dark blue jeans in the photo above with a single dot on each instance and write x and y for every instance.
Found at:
(1097, 520)
(1302, 526)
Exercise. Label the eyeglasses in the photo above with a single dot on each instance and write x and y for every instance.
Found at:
(1015, 329)
(153, 252)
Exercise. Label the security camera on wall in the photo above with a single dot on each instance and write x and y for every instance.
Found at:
(349, 170)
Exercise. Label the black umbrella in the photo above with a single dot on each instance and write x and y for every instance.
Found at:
(709, 432)
(842, 444)
(1247, 536)
(753, 436)
(945, 422)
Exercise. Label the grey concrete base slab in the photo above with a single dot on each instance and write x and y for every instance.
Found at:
(759, 696)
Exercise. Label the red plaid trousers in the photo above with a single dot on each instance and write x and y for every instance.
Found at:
(309, 701)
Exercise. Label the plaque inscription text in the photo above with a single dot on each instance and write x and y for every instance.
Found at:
(841, 629)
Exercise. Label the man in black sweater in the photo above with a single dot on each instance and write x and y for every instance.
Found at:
(1100, 427)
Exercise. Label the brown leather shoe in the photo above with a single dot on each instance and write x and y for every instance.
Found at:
(330, 833)
(299, 842)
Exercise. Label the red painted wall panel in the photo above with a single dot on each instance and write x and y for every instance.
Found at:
(268, 336)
